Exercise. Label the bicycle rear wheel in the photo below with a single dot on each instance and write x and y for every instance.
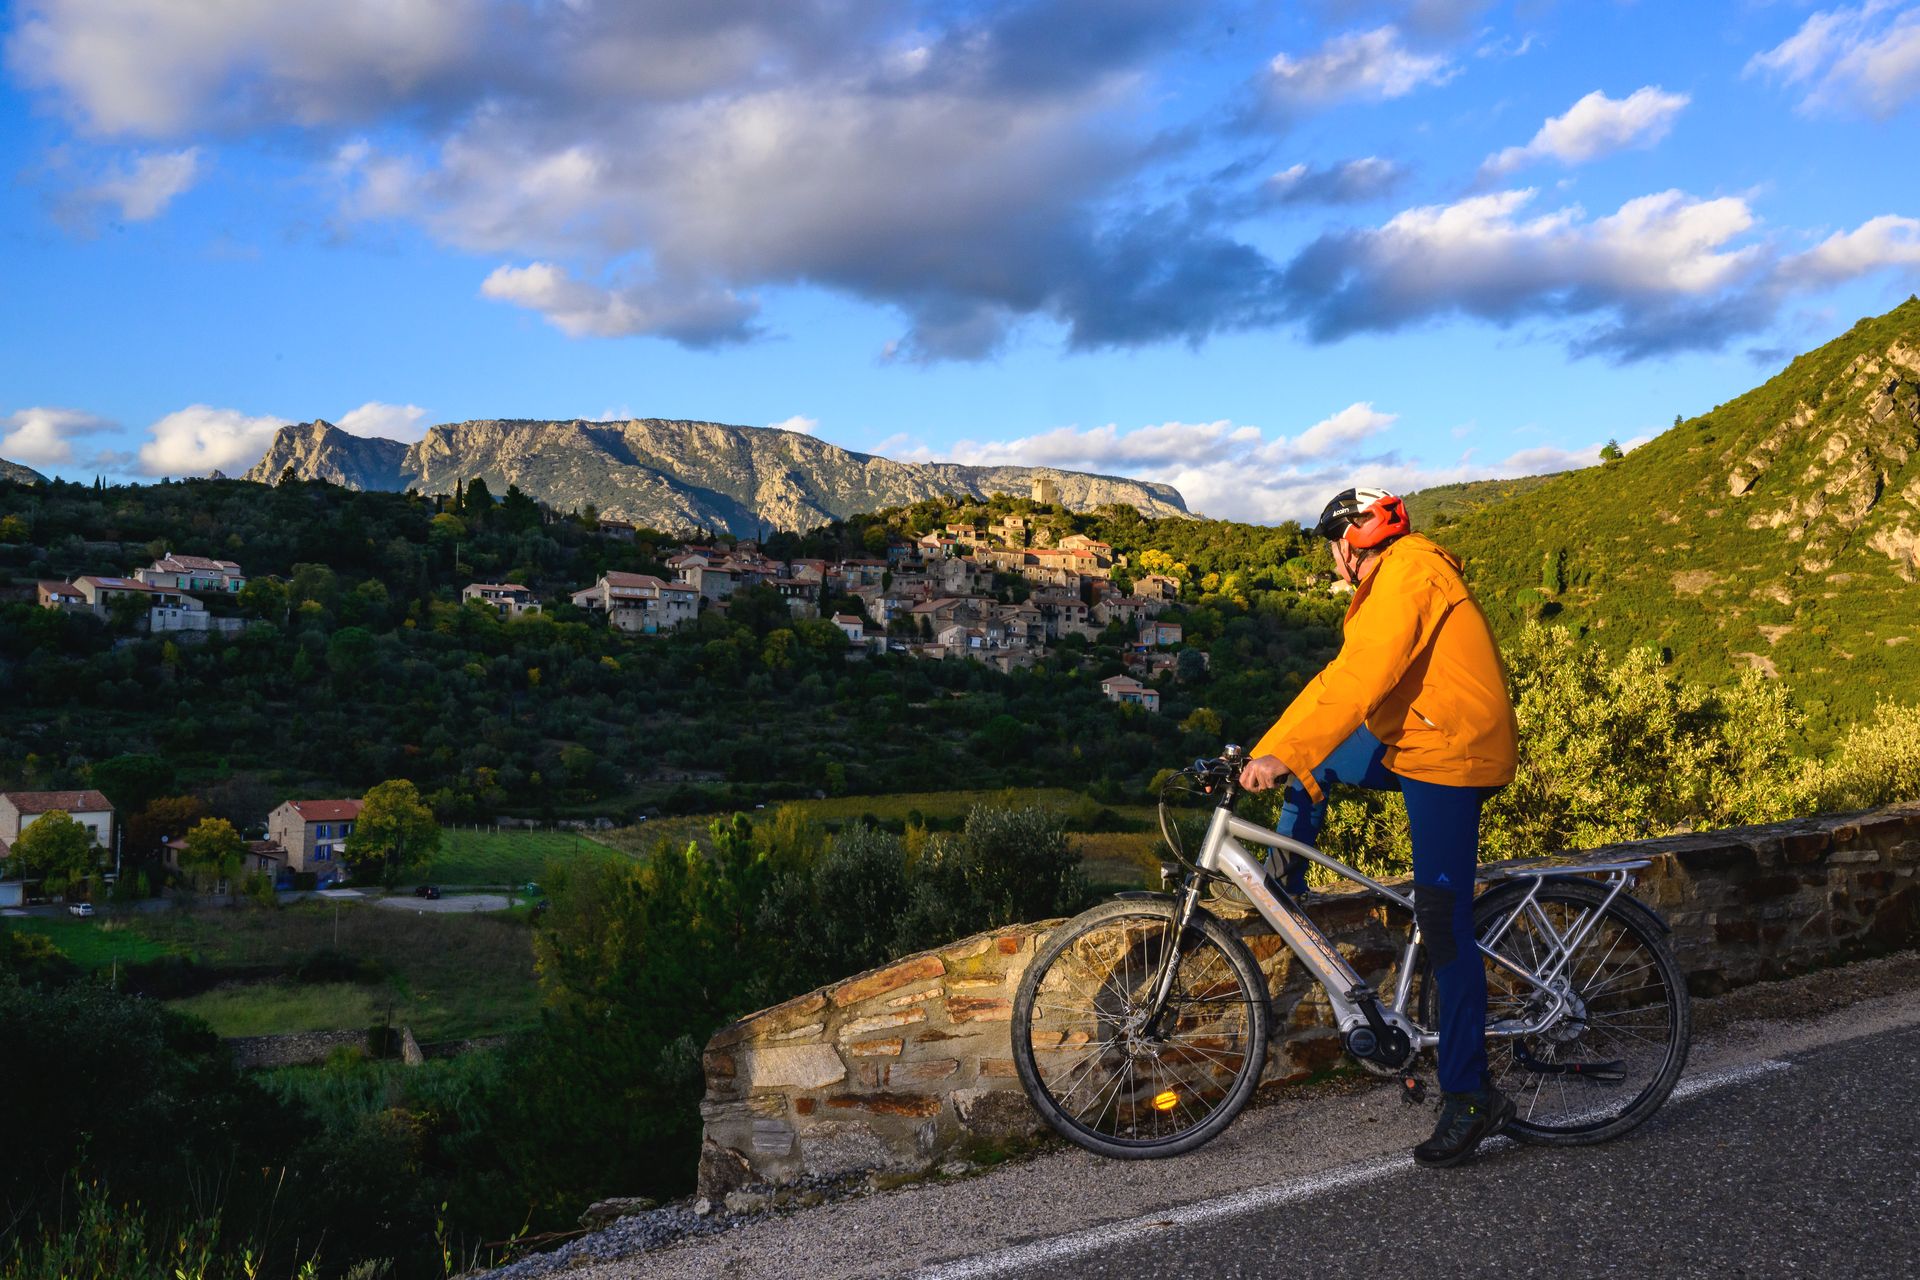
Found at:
(1614, 1053)
(1100, 1076)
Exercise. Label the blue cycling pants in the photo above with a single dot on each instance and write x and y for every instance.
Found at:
(1445, 823)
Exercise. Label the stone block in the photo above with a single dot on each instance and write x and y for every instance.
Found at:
(994, 983)
(998, 1068)
(799, 1066)
(830, 1148)
(883, 1047)
(772, 1137)
(1852, 857)
(915, 997)
(924, 1072)
(997, 1115)
(882, 1021)
(891, 978)
(979, 1009)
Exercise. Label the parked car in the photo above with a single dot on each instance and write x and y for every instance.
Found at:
(426, 891)
(82, 909)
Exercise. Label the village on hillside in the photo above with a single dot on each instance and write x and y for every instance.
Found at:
(998, 592)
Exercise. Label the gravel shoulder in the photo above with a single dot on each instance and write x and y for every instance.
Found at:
(1291, 1133)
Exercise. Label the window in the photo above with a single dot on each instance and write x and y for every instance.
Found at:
(324, 831)
(346, 828)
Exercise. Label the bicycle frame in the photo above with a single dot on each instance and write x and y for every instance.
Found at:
(1224, 855)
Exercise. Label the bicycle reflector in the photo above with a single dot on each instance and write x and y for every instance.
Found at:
(1165, 1100)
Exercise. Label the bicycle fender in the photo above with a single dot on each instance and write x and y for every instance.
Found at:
(1498, 895)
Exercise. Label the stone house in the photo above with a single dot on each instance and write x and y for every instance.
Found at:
(263, 858)
(1155, 634)
(801, 595)
(854, 628)
(193, 573)
(1157, 586)
(640, 603)
(1065, 613)
(21, 809)
(1125, 689)
(314, 835)
(508, 599)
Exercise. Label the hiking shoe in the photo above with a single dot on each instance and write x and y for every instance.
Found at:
(1466, 1120)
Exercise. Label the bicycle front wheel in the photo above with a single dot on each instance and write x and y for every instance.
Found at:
(1113, 1080)
(1620, 1041)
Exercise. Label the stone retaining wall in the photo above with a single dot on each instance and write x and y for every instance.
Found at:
(903, 1067)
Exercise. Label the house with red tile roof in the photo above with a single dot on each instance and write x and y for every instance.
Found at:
(314, 834)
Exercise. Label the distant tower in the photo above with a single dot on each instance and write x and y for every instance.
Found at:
(1045, 491)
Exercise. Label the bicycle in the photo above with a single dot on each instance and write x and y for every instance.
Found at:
(1141, 1028)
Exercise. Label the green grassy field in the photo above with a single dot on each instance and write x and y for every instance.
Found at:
(449, 975)
(95, 943)
(489, 857)
(280, 1008)
(945, 807)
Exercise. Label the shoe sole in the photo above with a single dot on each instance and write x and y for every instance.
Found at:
(1501, 1119)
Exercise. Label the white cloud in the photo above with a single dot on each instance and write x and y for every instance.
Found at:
(694, 316)
(799, 423)
(1483, 257)
(1234, 472)
(403, 422)
(1349, 182)
(1862, 59)
(201, 438)
(1886, 241)
(1362, 66)
(143, 189)
(1597, 126)
(44, 436)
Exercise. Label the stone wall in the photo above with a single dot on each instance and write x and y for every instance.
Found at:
(901, 1068)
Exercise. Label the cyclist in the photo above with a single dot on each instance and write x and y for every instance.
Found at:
(1415, 702)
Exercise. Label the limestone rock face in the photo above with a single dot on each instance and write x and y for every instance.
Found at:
(18, 474)
(673, 475)
(318, 450)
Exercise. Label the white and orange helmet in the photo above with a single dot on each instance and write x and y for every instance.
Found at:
(1363, 518)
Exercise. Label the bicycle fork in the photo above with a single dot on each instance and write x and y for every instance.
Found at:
(1189, 903)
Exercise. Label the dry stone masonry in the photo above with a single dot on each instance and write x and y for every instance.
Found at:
(902, 1068)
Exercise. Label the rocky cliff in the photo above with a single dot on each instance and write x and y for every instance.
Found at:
(18, 474)
(674, 475)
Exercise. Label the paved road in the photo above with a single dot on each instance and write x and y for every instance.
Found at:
(1792, 1148)
(1812, 1169)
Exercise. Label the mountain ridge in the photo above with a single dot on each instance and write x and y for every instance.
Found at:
(674, 473)
(19, 473)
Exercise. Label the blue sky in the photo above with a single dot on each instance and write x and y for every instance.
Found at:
(1255, 250)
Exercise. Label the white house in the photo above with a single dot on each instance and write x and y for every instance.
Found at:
(193, 573)
(21, 809)
(1126, 689)
(855, 629)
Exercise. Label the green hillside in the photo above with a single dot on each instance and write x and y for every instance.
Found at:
(1780, 531)
(1443, 504)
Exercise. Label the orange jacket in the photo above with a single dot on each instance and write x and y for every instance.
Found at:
(1420, 668)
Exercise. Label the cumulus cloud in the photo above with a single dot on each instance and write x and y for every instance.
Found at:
(1349, 182)
(694, 316)
(1596, 126)
(1864, 59)
(1361, 66)
(1886, 241)
(141, 189)
(798, 423)
(403, 422)
(201, 438)
(44, 436)
(1236, 472)
(1640, 269)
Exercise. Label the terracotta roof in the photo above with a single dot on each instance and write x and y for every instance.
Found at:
(52, 588)
(616, 578)
(67, 801)
(1125, 684)
(126, 584)
(255, 848)
(326, 810)
(847, 619)
(170, 562)
(495, 586)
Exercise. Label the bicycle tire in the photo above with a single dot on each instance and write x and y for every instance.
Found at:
(1598, 1121)
(1029, 1040)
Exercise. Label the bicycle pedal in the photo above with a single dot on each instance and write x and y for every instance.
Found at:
(1413, 1090)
